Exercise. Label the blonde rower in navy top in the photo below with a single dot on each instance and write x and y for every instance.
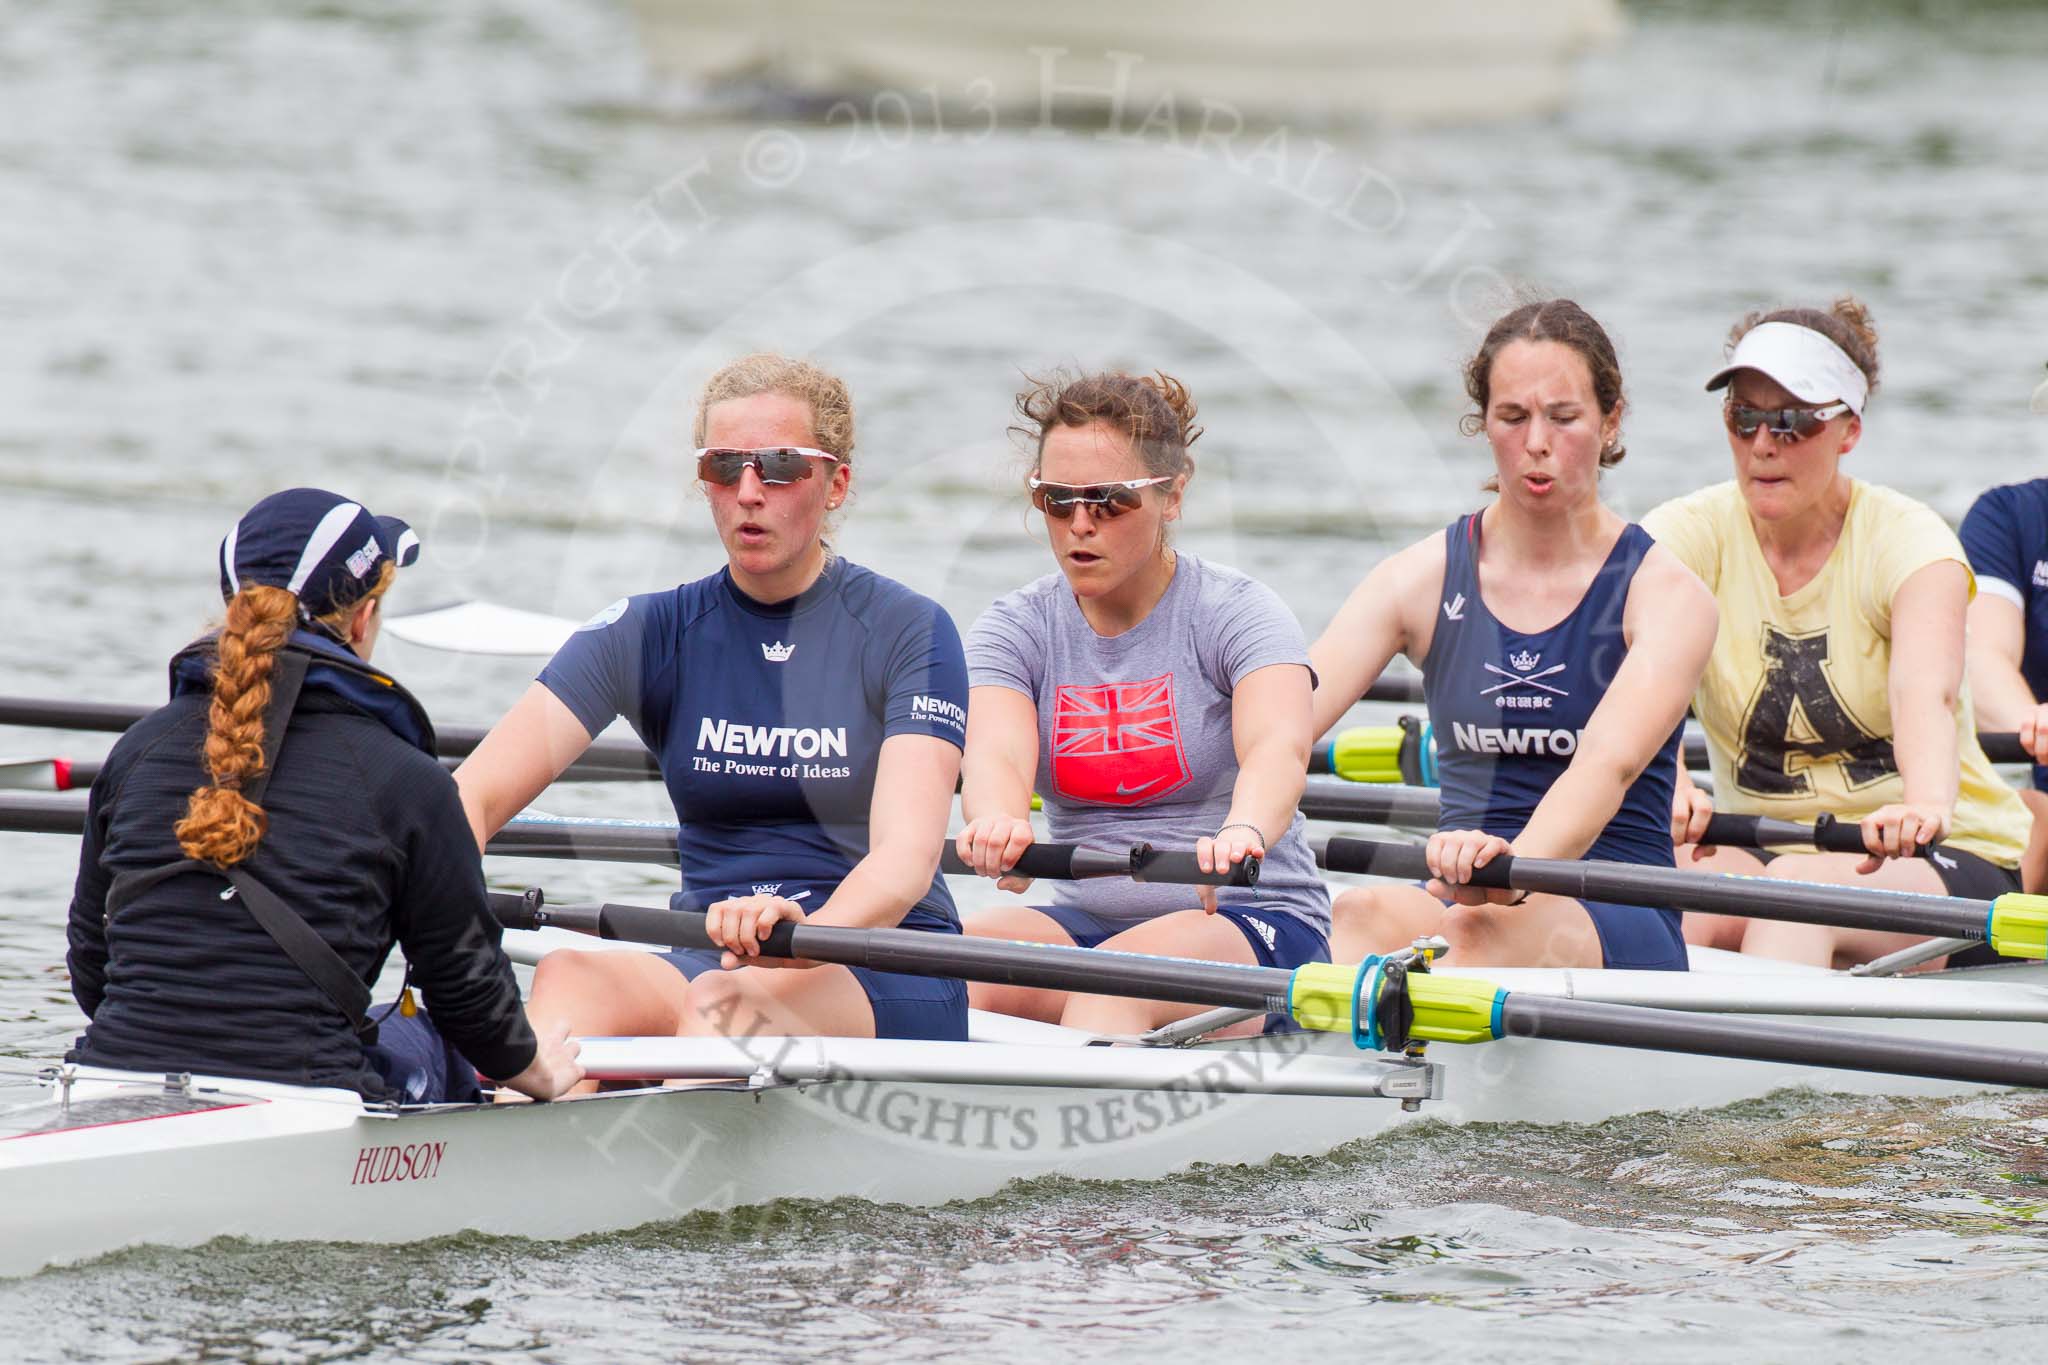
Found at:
(808, 716)
(1559, 646)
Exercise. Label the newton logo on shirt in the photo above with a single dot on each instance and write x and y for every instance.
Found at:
(778, 741)
(939, 709)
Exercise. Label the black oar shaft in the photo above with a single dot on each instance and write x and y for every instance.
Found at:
(39, 813)
(997, 961)
(1370, 803)
(1758, 897)
(1714, 1035)
(1183, 981)
(628, 758)
(1394, 687)
(53, 713)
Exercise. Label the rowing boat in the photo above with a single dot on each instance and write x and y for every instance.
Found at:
(94, 1161)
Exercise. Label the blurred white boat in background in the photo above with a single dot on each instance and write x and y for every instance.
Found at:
(1320, 59)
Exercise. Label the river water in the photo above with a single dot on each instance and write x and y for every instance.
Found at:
(466, 263)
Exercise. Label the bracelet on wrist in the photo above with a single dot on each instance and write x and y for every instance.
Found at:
(1257, 833)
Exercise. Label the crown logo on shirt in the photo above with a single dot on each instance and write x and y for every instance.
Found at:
(1525, 662)
(778, 652)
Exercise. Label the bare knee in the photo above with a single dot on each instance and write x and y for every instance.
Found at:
(719, 999)
(1471, 930)
(565, 979)
(1368, 920)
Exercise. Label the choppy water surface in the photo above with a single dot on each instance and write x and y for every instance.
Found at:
(464, 262)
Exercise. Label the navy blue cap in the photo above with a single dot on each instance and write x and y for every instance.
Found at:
(317, 544)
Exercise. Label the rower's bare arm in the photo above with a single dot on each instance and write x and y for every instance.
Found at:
(914, 779)
(525, 751)
(1269, 727)
(1669, 621)
(1270, 710)
(995, 786)
(1926, 678)
(1997, 640)
(1002, 753)
(1925, 684)
(1391, 612)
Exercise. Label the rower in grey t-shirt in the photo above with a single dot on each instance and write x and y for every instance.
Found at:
(1134, 730)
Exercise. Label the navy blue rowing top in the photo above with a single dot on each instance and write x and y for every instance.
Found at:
(2006, 537)
(1508, 708)
(768, 718)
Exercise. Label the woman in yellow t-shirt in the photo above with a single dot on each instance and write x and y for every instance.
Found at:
(1836, 683)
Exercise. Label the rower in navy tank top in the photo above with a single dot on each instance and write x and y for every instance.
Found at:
(2005, 535)
(1560, 646)
(1507, 707)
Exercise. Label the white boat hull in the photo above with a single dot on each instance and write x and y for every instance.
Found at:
(275, 1163)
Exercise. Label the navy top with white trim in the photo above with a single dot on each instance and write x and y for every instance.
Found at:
(1509, 707)
(768, 718)
(2006, 537)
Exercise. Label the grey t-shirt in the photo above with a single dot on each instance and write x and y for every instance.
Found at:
(1134, 732)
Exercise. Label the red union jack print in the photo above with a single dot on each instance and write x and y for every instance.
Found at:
(1117, 744)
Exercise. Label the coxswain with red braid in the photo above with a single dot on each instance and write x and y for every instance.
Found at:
(253, 850)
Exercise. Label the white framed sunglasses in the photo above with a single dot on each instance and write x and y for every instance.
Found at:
(1107, 500)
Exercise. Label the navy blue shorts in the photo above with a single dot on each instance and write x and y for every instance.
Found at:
(417, 1063)
(1638, 937)
(1278, 939)
(1633, 937)
(904, 1006)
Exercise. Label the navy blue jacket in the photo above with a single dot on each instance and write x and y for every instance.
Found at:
(366, 841)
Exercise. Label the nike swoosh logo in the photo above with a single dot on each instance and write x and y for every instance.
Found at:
(1122, 790)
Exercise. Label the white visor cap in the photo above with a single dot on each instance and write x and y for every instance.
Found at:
(2040, 403)
(1804, 363)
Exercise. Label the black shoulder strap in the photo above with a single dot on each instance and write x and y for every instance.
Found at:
(287, 677)
(309, 952)
(312, 953)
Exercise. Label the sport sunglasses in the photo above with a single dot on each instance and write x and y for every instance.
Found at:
(723, 465)
(1785, 424)
(1105, 500)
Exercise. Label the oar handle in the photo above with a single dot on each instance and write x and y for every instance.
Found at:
(1760, 831)
(1139, 862)
(2003, 746)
